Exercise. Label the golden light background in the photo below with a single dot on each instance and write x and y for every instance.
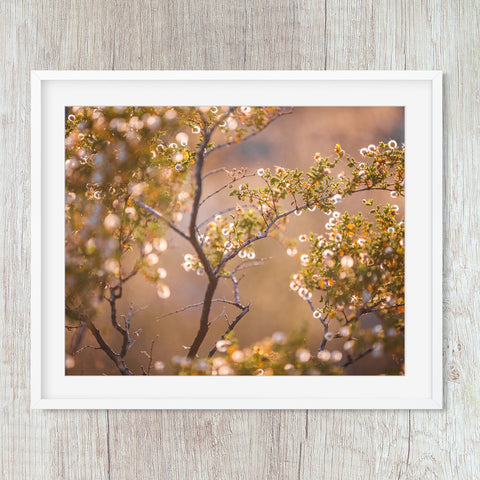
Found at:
(291, 141)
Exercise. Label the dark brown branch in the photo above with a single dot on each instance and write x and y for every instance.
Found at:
(230, 328)
(212, 278)
(115, 357)
(207, 133)
(358, 357)
(115, 293)
(131, 274)
(203, 329)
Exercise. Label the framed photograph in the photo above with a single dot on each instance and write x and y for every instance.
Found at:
(236, 240)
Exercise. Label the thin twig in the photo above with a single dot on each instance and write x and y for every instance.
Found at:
(253, 134)
(131, 274)
(78, 337)
(218, 316)
(213, 172)
(364, 309)
(235, 282)
(222, 212)
(223, 187)
(230, 328)
(358, 357)
(161, 217)
(273, 196)
(150, 355)
(259, 262)
(193, 305)
(264, 234)
(126, 336)
(76, 352)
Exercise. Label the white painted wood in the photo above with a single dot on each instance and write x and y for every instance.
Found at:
(331, 34)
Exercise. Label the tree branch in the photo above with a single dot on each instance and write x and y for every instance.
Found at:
(250, 263)
(256, 132)
(226, 210)
(358, 357)
(223, 187)
(193, 305)
(115, 357)
(85, 347)
(213, 172)
(218, 316)
(212, 278)
(230, 328)
(161, 217)
(235, 282)
(264, 234)
(364, 309)
(149, 356)
(325, 326)
(275, 219)
(207, 133)
(203, 329)
(115, 294)
(113, 307)
(126, 336)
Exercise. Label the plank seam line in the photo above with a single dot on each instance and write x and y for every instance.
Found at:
(299, 461)
(108, 444)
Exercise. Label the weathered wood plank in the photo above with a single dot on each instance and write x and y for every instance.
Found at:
(444, 444)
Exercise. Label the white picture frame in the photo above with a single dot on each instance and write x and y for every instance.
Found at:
(420, 92)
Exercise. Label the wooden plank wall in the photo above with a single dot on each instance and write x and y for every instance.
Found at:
(263, 34)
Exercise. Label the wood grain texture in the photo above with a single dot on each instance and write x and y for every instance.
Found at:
(182, 34)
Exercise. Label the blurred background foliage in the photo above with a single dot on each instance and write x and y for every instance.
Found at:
(115, 155)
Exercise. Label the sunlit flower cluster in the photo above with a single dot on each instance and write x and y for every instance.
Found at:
(191, 263)
(279, 354)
